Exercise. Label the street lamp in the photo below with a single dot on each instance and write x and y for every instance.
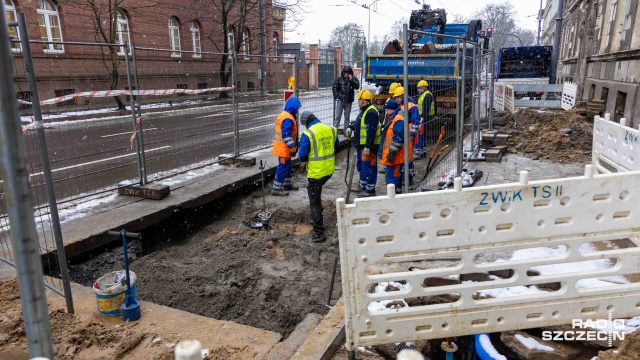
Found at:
(368, 7)
(364, 55)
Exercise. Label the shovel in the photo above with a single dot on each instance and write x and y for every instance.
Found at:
(130, 309)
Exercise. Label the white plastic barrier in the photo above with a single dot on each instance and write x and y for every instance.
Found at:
(616, 147)
(393, 242)
(569, 95)
(503, 99)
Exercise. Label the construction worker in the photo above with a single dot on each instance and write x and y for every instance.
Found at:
(392, 151)
(414, 120)
(284, 147)
(318, 145)
(367, 139)
(343, 94)
(427, 109)
(392, 88)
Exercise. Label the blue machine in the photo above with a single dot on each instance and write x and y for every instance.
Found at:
(524, 62)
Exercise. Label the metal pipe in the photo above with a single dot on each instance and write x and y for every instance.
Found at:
(473, 98)
(71, 43)
(405, 61)
(13, 160)
(461, 119)
(133, 116)
(555, 56)
(540, 12)
(263, 47)
(181, 51)
(44, 158)
(236, 125)
(295, 76)
(139, 115)
(491, 89)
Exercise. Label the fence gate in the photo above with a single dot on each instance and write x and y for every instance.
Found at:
(326, 74)
(487, 259)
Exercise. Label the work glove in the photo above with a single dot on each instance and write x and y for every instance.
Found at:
(366, 152)
(390, 157)
(349, 133)
(292, 152)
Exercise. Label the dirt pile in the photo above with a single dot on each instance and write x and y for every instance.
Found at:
(73, 337)
(629, 349)
(559, 136)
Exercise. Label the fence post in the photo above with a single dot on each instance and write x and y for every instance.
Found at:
(234, 102)
(26, 248)
(461, 97)
(138, 109)
(491, 88)
(295, 76)
(136, 129)
(44, 157)
(405, 71)
(473, 102)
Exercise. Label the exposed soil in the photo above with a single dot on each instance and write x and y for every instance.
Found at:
(537, 134)
(629, 349)
(209, 262)
(73, 337)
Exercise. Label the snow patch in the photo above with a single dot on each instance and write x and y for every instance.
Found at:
(486, 344)
(533, 344)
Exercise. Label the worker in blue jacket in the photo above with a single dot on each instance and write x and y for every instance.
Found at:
(366, 129)
(285, 142)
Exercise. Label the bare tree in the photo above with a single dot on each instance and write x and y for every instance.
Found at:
(295, 12)
(350, 38)
(500, 17)
(396, 29)
(105, 16)
(460, 19)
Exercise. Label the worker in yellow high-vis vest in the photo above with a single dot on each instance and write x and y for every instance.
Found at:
(318, 145)
(366, 130)
(427, 109)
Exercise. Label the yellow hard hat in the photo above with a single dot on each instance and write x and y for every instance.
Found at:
(398, 92)
(423, 83)
(364, 95)
(393, 87)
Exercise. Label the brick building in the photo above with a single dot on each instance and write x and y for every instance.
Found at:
(178, 44)
(600, 51)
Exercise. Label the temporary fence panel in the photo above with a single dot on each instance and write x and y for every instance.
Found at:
(538, 95)
(509, 99)
(498, 97)
(489, 259)
(615, 146)
(569, 95)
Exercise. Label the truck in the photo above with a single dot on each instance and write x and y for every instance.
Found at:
(524, 65)
(431, 58)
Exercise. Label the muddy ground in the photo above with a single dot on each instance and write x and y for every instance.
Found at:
(559, 136)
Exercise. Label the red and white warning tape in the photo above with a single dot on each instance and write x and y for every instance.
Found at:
(108, 93)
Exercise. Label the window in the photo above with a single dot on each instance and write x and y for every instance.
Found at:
(275, 44)
(251, 86)
(621, 103)
(246, 45)
(174, 36)
(195, 40)
(10, 12)
(231, 40)
(612, 25)
(49, 22)
(182, 86)
(122, 32)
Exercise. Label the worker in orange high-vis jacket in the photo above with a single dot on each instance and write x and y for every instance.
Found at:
(285, 144)
(391, 152)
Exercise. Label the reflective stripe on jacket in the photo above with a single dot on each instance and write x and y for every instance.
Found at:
(363, 126)
(322, 155)
(280, 147)
(389, 145)
(432, 108)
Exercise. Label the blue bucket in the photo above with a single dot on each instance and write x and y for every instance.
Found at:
(109, 299)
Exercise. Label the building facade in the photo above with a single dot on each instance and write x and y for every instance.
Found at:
(600, 51)
(178, 44)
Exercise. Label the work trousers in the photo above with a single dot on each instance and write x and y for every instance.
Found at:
(284, 175)
(342, 108)
(393, 175)
(315, 203)
(368, 169)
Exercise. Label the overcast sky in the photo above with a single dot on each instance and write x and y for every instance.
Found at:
(324, 15)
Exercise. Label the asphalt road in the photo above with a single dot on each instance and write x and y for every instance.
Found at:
(89, 155)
